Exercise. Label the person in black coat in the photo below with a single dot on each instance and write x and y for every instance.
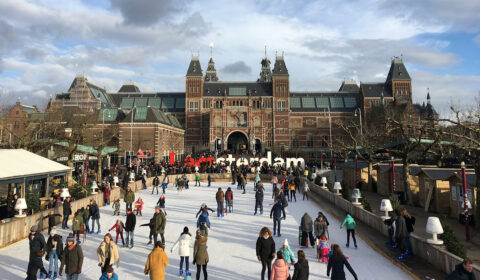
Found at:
(336, 263)
(95, 216)
(35, 263)
(51, 220)
(301, 271)
(67, 210)
(151, 225)
(54, 252)
(36, 241)
(276, 214)
(259, 198)
(130, 226)
(463, 271)
(265, 250)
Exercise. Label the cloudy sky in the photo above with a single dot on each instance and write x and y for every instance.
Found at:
(44, 43)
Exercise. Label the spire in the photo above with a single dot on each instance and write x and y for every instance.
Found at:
(280, 68)
(428, 95)
(266, 72)
(211, 73)
(194, 69)
(398, 71)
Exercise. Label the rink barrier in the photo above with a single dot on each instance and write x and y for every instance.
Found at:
(438, 256)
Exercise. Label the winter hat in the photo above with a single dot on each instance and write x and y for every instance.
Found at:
(70, 238)
(53, 231)
(323, 238)
(34, 228)
(203, 205)
(156, 207)
(285, 243)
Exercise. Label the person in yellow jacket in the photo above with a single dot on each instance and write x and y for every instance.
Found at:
(156, 262)
(107, 253)
(291, 187)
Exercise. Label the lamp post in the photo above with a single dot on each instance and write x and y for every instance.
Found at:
(131, 136)
(360, 115)
(103, 121)
(356, 171)
(335, 168)
(465, 202)
(330, 124)
(394, 189)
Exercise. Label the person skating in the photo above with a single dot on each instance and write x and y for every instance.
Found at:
(410, 222)
(159, 223)
(400, 235)
(129, 198)
(306, 190)
(116, 207)
(51, 220)
(119, 227)
(200, 253)
(183, 245)
(256, 181)
(203, 221)
(229, 199)
(67, 210)
(77, 222)
(36, 241)
(259, 198)
(107, 253)
(197, 179)
(301, 271)
(152, 230)
(306, 226)
(106, 194)
(293, 191)
(265, 251)
(161, 203)
(164, 183)
(336, 264)
(35, 263)
(95, 216)
(86, 218)
(209, 180)
(54, 250)
(274, 185)
(72, 259)
(220, 197)
(280, 269)
(350, 229)
(323, 251)
(109, 275)
(139, 206)
(155, 184)
(130, 227)
(156, 262)
(463, 271)
(288, 255)
(204, 206)
(144, 181)
(276, 215)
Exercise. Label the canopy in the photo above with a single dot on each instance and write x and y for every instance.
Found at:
(18, 163)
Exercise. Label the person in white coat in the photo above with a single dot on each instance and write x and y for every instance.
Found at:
(183, 245)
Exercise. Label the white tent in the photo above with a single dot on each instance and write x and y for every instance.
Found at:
(17, 164)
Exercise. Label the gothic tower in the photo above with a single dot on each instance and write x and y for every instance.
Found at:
(399, 82)
(281, 98)
(193, 101)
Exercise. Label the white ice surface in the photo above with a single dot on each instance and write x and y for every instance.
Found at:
(231, 242)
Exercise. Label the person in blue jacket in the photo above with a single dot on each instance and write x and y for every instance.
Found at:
(109, 274)
(203, 221)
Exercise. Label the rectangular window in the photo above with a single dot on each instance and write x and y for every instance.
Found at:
(219, 104)
(154, 102)
(294, 140)
(207, 104)
(127, 103)
(193, 106)
(282, 122)
(350, 102)
(281, 106)
(309, 141)
(308, 102)
(141, 102)
(267, 104)
(140, 113)
(180, 103)
(337, 102)
(322, 102)
(295, 102)
(234, 91)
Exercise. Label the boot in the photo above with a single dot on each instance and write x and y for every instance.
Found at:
(348, 244)
(356, 246)
(402, 257)
(180, 273)
(149, 242)
(54, 276)
(49, 275)
(42, 276)
(99, 231)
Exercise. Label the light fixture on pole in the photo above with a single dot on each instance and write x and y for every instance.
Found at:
(323, 181)
(356, 195)
(21, 205)
(465, 201)
(94, 187)
(360, 115)
(337, 187)
(434, 227)
(386, 206)
(65, 193)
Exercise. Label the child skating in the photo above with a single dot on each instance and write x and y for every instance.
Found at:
(119, 227)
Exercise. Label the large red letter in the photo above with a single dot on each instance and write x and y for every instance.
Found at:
(172, 158)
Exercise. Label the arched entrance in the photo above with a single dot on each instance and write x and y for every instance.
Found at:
(237, 142)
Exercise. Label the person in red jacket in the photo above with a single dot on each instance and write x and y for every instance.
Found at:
(106, 194)
(139, 206)
(229, 199)
(119, 227)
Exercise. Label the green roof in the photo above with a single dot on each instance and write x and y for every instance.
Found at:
(154, 102)
(141, 102)
(127, 103)
(107, 114)
(140, 113)
(90, 149)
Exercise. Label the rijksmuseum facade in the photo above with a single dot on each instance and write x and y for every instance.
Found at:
(215, 115)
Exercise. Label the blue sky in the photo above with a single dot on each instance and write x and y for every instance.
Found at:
(44, 43)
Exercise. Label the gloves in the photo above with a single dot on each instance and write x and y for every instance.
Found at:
(79, 270)
(60, 271)
(258, 257)
(194, 261)
(100, 264)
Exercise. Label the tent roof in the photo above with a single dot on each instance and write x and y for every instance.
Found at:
(18, 163)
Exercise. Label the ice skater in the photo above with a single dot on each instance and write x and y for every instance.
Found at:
(276, 215)
(119, 227)
(350, 229)
(161, 204)
(204, 206)
(116, 207)
(183, 244)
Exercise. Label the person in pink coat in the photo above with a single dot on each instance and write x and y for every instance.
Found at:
(106, 194)
(280, 269)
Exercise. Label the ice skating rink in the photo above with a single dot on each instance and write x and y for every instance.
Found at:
(231, 242)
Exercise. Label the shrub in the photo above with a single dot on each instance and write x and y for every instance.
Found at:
(451, 242)
(79, 191)
(396, 204)
(318, 179)
(366, 204)
(33, 201)
(329, 184)
(374, 185)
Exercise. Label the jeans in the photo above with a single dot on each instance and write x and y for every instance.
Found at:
(229, 205)
(258, 203)
(93, 224)
(65, 221)
(129, 237)
(156, 187)
(292, 195)
(162, 237)
(87, 228)
(352, 232)
(129, 205)
(276, 222)
(305, 194)
(164, 186)
(72, 276)
(220, 207)
(266, 265)
(53, 262)
(182, 258)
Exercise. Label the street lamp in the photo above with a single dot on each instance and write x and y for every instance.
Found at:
(394, 189)
(131, 135)
(103, 121)
(360, 115)
(330, 126)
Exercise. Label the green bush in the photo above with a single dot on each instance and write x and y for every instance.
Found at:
(366, 204)
(33, 201)
(396, 204)
(451, 242)
(329, 184)
(317, 180)
(79, 191)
